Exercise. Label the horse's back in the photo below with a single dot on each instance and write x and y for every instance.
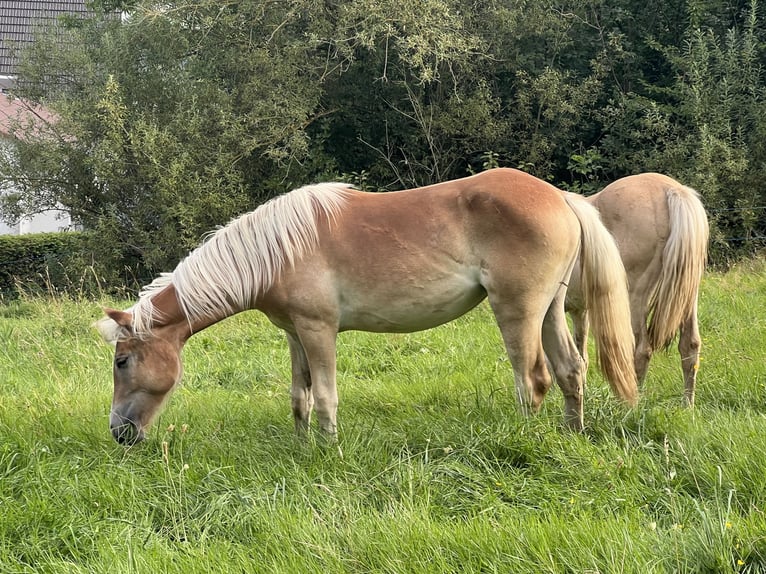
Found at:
(509, 199)
(503, 214)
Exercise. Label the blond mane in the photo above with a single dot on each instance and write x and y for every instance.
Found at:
(236, 263)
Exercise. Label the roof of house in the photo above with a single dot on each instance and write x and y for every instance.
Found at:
(18, 113)
(19, 21)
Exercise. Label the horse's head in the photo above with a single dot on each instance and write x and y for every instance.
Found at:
(146, 369)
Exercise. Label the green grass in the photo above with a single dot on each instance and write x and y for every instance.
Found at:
(439, 472)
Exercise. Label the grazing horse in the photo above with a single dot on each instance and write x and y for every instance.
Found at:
(326, 258)
(662, 232)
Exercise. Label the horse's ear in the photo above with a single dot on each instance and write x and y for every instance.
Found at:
(122, 318)
(117, 325)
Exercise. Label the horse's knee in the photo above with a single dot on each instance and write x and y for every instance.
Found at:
(532, 385)
(541, 384)
(540, 387)
(689, 347)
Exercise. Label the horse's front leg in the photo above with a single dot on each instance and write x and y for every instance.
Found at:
(318, 343)
(300, 391)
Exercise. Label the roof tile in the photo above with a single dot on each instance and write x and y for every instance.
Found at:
(19, 20)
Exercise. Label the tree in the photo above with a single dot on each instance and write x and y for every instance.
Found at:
(411, 99)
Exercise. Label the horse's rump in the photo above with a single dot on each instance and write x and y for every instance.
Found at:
(662, 230)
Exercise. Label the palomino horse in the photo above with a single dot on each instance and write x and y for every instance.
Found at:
(326, 258)
(661, 230)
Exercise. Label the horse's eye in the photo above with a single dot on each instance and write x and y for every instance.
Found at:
(121, 361)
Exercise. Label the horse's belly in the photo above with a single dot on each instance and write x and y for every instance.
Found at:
(408, 308)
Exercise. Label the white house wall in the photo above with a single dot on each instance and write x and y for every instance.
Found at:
(51, 220)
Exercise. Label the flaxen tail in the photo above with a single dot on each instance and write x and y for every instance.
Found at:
(683, 262)
(605, 290)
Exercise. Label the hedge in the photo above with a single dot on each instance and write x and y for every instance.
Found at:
(45, 262)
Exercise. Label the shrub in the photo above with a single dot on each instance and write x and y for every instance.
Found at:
(47, 262)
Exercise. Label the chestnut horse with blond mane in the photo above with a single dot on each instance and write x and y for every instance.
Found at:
(326, 258)
(661, 229)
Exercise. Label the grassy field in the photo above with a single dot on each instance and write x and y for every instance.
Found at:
(439, 472)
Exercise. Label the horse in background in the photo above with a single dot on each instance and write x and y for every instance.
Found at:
(661, 230)
(326, 258)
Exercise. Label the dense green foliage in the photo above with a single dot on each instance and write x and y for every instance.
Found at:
(440, 472)
(186, 113)
(45, 262)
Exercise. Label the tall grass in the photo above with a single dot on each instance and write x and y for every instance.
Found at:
(439, 472)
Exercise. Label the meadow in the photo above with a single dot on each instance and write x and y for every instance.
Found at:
(439, 471)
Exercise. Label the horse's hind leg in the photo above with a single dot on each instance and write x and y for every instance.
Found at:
(567, 363)
(638, 318)
(580, 329)
(689, 345)
(301, 395)
(521, 335)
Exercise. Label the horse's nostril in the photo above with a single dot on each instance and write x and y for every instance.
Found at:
(126, 434)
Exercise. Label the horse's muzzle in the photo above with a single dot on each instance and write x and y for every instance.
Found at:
(127, 433)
